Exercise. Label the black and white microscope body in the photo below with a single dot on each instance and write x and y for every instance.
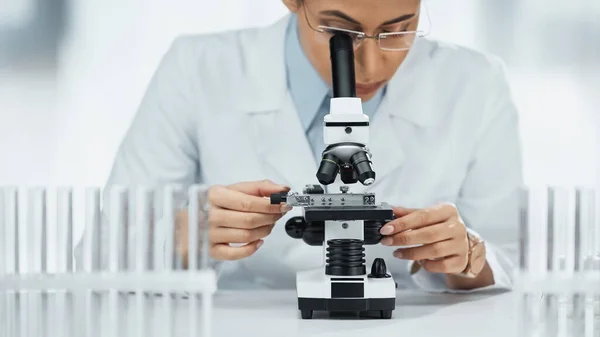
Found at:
(342, 222)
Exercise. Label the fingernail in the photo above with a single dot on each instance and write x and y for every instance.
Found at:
(260, 243)
(387, 229)
(386, 241)
(398, 254)
(286, 208)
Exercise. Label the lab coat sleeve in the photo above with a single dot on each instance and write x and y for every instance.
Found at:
(489, 198)
(158, 149)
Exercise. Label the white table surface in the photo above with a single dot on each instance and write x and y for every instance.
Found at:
(274, 313)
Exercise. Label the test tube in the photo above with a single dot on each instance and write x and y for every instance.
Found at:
(194, 219)
(158, 244)
(37, 233)
(531, 253)
(203, 204)
(584, 234)
(64, 226)
(142, 222)
(524, 230)
(564, 253)
(181, 202)
(64, 262)
(12, 247)
(207, 299)
(3, 257)
(193, 232)
(168, 221)
(5, 308)
(92, 255)
(588, 258)
(116, 223)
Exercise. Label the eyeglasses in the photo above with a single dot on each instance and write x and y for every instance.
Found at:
(392, 41)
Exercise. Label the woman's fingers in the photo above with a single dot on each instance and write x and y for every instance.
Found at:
(222, 251)
(420, 218)
(432, 251)
(421, 236)
(237, 235)
(241, 213)
(219, 217)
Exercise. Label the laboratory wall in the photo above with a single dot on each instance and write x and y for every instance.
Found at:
(72, 74)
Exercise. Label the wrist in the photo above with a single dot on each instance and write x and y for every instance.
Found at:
(477, 272)
(484, 279)
(476, 257)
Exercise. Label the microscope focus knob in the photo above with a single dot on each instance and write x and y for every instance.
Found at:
(278, 198)
(295, 227)
(379, 269)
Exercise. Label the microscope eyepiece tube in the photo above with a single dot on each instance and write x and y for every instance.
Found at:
(342, 65)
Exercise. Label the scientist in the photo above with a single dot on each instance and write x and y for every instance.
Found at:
(241, 112)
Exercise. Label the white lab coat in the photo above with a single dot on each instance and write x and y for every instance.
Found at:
(218, 111)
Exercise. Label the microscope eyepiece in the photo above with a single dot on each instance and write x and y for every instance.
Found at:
(342, 65)
(362, 165)
(328, 170)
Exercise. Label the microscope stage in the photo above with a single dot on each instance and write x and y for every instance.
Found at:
(382, 212)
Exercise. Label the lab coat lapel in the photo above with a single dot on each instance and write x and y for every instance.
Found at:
(277, 133)
(386, 145)
(405, 109)
(282, 144)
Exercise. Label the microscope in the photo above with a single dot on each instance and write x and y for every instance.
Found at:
(343, 223)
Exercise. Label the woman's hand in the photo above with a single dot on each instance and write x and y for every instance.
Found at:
(439, 241)
(242, 214)
(238, 214)
(439, 231)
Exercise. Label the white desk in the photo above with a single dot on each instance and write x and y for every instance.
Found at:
(275, 313)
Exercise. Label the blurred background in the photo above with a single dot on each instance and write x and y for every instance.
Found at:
(72, 73)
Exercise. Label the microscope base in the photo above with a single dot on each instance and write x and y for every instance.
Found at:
(383, 307)
(365, 295)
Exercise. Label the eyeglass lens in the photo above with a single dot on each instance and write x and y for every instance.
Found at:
(388, 41)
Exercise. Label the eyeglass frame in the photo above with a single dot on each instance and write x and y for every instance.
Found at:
(363, 35)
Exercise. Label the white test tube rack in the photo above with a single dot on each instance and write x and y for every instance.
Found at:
(557, 282)
(123, 284)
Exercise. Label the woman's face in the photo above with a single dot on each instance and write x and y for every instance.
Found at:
(374, 67)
